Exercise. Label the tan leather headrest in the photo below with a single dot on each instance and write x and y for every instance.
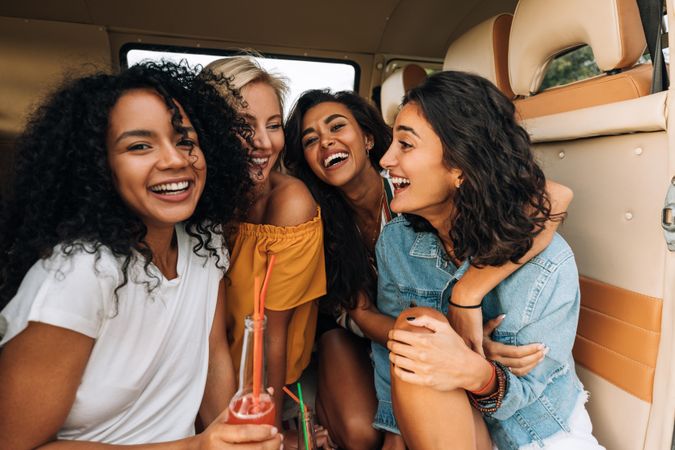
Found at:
(396, 86)
(483, 50)
(542, 29)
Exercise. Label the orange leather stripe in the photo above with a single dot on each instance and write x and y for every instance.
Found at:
(640, 310)
(618, 336)
(618, 370)
(601, 90)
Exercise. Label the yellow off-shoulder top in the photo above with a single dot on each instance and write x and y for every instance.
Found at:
(298, 278)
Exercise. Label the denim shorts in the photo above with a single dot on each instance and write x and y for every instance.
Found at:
(384, 417)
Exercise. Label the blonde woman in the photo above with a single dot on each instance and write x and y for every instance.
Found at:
(283, 220)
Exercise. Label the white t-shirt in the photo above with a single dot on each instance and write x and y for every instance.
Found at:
(145, 378)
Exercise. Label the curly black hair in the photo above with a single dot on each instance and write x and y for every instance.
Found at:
(349, 267)
(502, 203)
(63, 191)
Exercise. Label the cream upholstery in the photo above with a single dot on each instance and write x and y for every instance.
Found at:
(626, 416)
(638, 115)
(483, 50)
(395, 87)
(542, 29)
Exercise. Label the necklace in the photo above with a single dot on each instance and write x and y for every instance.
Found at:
(370, 235)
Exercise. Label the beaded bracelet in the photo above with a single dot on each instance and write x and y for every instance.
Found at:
(489, 404)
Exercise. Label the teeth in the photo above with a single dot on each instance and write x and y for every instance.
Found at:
(400, 182)
(259, 161)
(169, 188)
(341, 156)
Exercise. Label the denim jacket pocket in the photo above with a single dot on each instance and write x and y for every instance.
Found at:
(413, 296)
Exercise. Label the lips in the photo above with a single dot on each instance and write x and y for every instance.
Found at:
(173, 188)
(335, 158)
(399, 182)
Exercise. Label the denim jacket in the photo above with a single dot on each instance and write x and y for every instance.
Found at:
(541, 303)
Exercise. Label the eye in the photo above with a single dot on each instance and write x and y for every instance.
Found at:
(187, 144)
(337, 127)
(309, 141)
(138, 147)
(274, 126)
(405, 146)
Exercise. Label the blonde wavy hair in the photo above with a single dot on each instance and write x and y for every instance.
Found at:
(243, 70)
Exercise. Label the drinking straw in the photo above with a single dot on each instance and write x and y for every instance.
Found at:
(302, 417)
(257, 341)
(291, 395)
(268, 275)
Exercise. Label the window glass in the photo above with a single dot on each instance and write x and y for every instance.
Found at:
(576, 65)
(301, 74)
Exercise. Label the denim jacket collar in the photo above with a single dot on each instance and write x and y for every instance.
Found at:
(428, 246)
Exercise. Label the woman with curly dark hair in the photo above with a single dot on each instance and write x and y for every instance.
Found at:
(113, 261)
(472, 195)
(334, 144)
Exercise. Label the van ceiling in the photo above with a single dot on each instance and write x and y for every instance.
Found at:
(405, 27)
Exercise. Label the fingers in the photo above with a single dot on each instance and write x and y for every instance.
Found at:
(236, 434)
(406, 350)
(499, 350)
(410, 377)
(522, 371)
(405, 363)
(323, 438)
(491, 325)
(523, 365)
(407, 337)
(428, 322)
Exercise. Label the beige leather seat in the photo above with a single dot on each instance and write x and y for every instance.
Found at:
(542, 29)
(396, 86)
(483, 50)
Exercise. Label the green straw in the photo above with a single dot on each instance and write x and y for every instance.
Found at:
(302, 416)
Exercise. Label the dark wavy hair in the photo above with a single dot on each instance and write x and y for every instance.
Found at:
(502, 203)
(348, 261)
(63, 191)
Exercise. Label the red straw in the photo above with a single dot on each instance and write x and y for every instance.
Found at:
(257, 341)
(268, 275)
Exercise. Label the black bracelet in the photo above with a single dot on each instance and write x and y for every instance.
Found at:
(457, 305)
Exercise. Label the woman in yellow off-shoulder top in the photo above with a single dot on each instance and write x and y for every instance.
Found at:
(284, 220)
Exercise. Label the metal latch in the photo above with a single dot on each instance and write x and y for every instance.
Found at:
(668, 216)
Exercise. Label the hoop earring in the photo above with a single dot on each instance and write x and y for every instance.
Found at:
(259, 175)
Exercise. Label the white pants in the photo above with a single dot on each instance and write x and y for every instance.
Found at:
(580, 436)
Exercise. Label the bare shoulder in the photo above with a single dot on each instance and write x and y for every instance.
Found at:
(290, 202)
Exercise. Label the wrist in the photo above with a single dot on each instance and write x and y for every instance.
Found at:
(482, 379)
(465, 297)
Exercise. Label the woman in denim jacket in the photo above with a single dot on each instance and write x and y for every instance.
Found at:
(471, 193)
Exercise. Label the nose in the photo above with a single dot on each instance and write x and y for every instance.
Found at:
(389, 159)
(172, 158)
(262, 140)
(327, 141)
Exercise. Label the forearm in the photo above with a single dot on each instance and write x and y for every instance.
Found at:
(373, 323)
(276, 375)
(277, 336)
(182, 444)
(220, 387)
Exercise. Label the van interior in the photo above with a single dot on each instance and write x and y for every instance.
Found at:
(600, 125)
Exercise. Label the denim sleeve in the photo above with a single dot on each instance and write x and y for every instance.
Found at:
(555, 313)
(386, 293)
(387, 289)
